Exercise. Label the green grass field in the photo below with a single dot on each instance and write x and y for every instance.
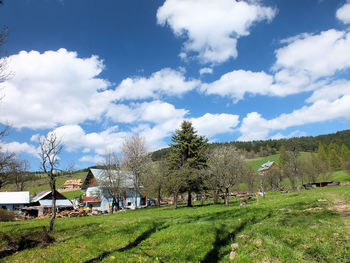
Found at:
(280, 228)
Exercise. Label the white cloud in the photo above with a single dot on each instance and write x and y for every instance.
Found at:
(207, 125)
(97, 159)
(255, 127)
(315, 56)
(166, 82)
(293, 134)
(212, 27)
(154, 112)
(17, 148)
(205, 71)
(343, 13)
(330, 91)
(210, 125)
(237, 83)
(51, 88)
(74, 138)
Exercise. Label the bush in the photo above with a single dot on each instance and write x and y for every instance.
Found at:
(6, 215)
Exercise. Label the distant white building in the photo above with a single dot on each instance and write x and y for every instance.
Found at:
(14, 200)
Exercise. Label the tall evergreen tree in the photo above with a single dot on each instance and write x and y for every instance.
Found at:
(188, 151)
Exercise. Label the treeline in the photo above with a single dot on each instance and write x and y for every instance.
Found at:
(261, 148)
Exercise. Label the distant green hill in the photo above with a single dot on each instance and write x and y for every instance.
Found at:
(271, 147)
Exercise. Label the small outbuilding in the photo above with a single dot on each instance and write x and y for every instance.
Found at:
(14, 201)
(41, 204)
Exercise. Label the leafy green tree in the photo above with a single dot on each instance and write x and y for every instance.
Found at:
(290, 164)
(345, 155)
(154, 179)
(188, 150)
(322, 152)
(334, 160)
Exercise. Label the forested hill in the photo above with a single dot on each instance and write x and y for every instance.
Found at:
(268, 147)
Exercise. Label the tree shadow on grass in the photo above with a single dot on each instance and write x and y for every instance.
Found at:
(131, 245)
(222, 238)
(22, 242)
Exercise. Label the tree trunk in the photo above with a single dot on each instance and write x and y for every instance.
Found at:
(298, 188)
(175, 201)
(251, 186)
(215, 197)
(118, 206)
(159, 197)
(53, 188)
(135, 201)
(226, 197)
(112, 208)
(189, 199)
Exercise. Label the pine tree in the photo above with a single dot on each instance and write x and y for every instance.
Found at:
(188, 151)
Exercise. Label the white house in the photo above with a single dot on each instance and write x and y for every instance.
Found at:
(96, 198)
(14, 200)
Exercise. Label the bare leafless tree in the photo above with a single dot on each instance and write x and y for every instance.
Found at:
(50, 149)
(18, 172)
(113, 180)
(135, 158)
(175, 182)
(154, 179)
(225, 169)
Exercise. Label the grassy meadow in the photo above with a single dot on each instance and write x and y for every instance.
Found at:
(312, 227)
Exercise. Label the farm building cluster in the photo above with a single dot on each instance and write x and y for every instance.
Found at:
(95, 199)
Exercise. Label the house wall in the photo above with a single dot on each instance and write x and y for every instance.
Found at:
(12, 207)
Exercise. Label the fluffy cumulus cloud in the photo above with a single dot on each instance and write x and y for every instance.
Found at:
(74, 138)
(166, 82)
(237, 83)
(212, 27)
(97, 159)
(16, 147)
(154, 112)
(51, 88)
(254, 126)
(316, 56)
(207, 125)
(302, 64)
(343, 13)
(213, 124)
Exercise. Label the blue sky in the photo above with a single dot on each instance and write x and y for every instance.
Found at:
(97, 72)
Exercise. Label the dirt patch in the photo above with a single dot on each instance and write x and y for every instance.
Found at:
(340, 206)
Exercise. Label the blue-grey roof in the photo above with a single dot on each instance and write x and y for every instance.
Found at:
(127, 176)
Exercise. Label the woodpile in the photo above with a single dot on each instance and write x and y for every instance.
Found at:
(69, 213)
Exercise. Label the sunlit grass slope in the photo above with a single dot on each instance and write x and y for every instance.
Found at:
(281, 227)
